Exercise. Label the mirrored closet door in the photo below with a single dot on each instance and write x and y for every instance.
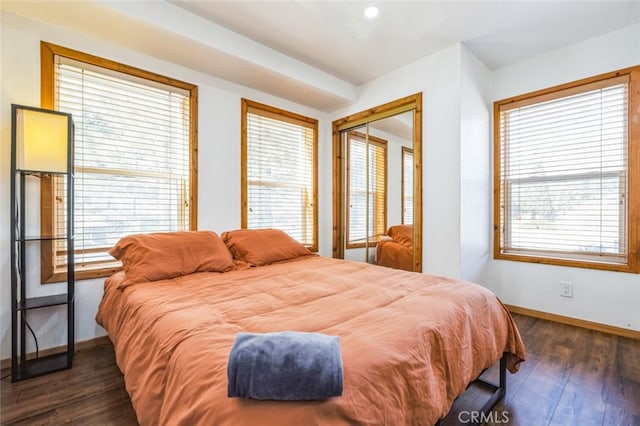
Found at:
(377, 196)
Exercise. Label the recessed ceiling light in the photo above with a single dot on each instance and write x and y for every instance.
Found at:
(371, 12)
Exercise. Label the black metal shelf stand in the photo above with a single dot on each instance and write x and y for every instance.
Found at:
(23, 365)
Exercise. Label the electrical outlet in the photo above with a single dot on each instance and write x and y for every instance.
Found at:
(566, 289)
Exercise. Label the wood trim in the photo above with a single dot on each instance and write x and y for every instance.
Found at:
(373, 140)
(47, 220)
(604, 328)
(566, 86)
(385, 201)
(380, 143)
(115, 66)
(619, 267)
(244, 109)
(193, 158)
(279, 114)
(497, 182)
(47, 197)
(316, 222)
(372, 244)
(633, 179)
(571, 89)
(249, 106)
(347, 194)
(86, 251)
(47, 78)
(632, 75)
(86, 274)
(79, 347)
(379, 112)
(48, 52)
(417, 184)
(408, 103)
(338, 162)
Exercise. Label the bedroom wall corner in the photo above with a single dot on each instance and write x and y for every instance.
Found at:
(437, 76)
(604, 297)
(475, 167)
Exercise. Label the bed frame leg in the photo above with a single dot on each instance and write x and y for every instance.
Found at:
(498, 391)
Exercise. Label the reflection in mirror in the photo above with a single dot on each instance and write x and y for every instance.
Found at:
(365, 191)
(407, 185)
(379, 191)
(377, 185)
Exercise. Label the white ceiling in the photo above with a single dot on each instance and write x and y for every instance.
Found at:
(335, 37)
(317, 53)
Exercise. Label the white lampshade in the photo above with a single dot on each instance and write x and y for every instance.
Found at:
(41, 141)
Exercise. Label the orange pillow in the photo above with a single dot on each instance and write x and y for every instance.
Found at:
(402, 234)
(153, 257)
(263, 246)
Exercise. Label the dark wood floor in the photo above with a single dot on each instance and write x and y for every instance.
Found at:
(571, 377)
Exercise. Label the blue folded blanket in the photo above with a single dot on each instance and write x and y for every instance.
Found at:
(285, 366)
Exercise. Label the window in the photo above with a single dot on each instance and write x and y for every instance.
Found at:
(134, 157)
(367, 196)
(279, 172)
(567, 174)
(407, 185)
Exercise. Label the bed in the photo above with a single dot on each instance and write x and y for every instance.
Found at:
(411, 343)
(396, 251)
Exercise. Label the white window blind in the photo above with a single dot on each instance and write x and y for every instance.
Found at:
(132, 165)
(563, 172)
(407, 186)
(366, 195)
(280, 174)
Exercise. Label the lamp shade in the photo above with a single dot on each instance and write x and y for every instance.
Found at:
(42, 139)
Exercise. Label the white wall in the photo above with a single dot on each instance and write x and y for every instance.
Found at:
(219, 160)
(475, 167)
(600, 296)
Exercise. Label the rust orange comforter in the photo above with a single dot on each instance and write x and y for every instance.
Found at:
(410, 342)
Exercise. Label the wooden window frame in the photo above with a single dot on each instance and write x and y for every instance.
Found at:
(48, 52)
(405, 151)
(632, 231)
(383, 144)
(289, 117)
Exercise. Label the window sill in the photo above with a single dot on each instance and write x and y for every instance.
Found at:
(362, 245)
(82, 274)
(629, 266)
